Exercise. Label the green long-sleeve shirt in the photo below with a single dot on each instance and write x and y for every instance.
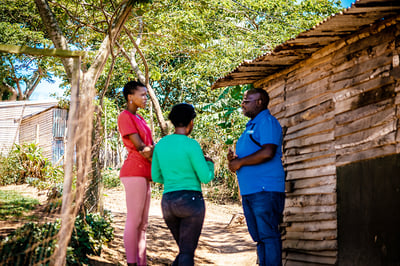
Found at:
(178, 163)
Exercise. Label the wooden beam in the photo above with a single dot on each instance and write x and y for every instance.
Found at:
(14, 49)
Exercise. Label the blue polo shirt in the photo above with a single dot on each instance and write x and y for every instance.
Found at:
(268, 176)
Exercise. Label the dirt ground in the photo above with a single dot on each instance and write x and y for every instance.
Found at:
(224, 239)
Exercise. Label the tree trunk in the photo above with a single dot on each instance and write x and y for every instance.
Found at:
(85, 110)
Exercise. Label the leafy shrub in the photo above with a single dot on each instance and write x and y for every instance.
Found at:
(111, 178)
(217, 127)
(26, 164)
(29, 244)
(90, 234)
(34, 243)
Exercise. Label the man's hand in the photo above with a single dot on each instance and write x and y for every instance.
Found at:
(231, 155)
(234, 164)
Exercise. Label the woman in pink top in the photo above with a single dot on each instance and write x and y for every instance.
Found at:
(135, 172)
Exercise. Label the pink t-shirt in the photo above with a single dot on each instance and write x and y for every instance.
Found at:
(135, 164)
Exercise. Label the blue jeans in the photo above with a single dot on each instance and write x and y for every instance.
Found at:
(263, 212)
(183, 212)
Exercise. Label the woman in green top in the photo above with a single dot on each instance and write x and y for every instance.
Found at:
(179, 164)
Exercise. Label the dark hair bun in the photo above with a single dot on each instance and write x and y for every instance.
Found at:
(181, 114)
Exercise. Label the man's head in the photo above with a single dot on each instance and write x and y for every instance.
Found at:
(181, 114)
(254, 101)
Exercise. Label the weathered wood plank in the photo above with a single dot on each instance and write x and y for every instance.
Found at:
(310, 140)
(325, 253)
(312, 226)
(311, 200)
(324, 127)
(367, 135)
(308, 105)
(367, 154)
(309, 114)
(309, 123)
(364, 111)
(314, 182)
(359, 79)
(295, 151)
(303, 217)
(299, 259)
(314, 190)
(308, 75)
(377, 119)
(371, 85)
(357, 48)
(278, 111)
(275, 88)
(309, 209)
(385, 140)
(311, 163)
(322, 235)
(289, 159)
(360, 64)
(277, 101)
(305, 93)
(358, 97)
(310, 245)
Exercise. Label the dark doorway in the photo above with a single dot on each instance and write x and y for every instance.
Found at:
(369, 212)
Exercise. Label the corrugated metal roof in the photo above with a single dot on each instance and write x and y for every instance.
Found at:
(7, 104)
(362, 14)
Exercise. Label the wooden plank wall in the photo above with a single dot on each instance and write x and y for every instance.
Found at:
(39, 128)
(338, 107)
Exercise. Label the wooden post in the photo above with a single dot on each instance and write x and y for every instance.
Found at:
(67, 210)
(67, 218)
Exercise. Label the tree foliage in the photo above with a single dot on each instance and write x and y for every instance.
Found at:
(184, 45)
(20, 74)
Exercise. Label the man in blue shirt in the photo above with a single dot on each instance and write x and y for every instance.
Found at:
(258, 164)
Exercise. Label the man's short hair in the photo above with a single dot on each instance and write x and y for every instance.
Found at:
(263, 96)
(181, 114)
(131, 87)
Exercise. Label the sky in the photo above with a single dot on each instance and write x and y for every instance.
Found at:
(347, 3)
(44, 89)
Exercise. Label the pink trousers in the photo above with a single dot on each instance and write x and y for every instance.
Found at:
(138, 193)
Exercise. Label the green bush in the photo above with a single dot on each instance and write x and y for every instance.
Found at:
(90, 234)
(29, 244)
(26, 164)
(34, 243)
(111, 178)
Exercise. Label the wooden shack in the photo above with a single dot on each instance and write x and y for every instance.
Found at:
(40, 122)
(336, 91)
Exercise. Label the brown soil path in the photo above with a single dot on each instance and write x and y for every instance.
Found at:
(222, 242)
(219, 243)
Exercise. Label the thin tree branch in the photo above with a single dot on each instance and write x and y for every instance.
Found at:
(146, 66)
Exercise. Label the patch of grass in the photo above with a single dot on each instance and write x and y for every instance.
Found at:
(13, 204)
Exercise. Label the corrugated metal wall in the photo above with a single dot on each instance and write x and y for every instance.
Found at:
(39, 129)
(11, 114)
(47, 129)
